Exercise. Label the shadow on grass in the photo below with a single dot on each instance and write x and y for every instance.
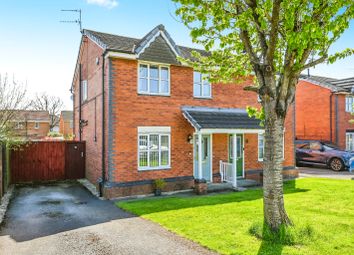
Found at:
(147, 206)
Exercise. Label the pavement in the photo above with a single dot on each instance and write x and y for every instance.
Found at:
(323, 172)
(65, 218)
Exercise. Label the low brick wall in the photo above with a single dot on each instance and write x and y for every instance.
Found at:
(114, 190)
(257, 175)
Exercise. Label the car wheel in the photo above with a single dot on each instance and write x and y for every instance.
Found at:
(336, 164)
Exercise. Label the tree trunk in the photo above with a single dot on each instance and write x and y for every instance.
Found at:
(273, 200)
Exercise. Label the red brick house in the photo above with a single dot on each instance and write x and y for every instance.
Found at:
(323, 110)
(31, 125)
(159, 117)
(66, 123)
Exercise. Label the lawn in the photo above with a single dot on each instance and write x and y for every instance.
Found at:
(222, 222)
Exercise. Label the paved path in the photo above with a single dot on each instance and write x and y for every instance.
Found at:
(325, 173)
(66, 219)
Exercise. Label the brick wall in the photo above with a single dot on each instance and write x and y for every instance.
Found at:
(132, 110)
(91, 109)
(314, 120)
(313, 112)
(30, 131)
(65, 128)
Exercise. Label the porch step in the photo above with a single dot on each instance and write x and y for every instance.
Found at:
(241, 183)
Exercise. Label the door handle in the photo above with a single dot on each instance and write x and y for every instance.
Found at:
(82, 154)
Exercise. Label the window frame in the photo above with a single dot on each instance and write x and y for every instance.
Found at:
(351, 134)
(84, 92)
(148, 150)
(202, 85)
(160, 66)
(349, 101)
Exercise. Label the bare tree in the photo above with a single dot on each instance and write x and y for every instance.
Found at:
(52, 104)
(12, 99)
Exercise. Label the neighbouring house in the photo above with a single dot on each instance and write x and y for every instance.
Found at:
(66, 123)
(145, 116)
(324, 107)
(32, 125)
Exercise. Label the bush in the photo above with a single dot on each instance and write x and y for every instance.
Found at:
(54, 134)
(159, 184)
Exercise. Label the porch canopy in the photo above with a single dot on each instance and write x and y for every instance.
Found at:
(209, 120)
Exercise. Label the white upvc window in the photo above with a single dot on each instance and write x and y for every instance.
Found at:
(349, 141)
(71, 124)
(153, 79)
(36, 125)
(84, 91)
(201, 85)
(349, 100)
(19, 125)
(154, 148)
(261, 142)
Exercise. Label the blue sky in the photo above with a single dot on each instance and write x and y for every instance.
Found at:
(36, 48)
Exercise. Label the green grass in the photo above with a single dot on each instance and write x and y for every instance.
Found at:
(321, 209)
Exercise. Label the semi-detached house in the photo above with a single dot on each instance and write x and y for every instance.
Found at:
(145, 116)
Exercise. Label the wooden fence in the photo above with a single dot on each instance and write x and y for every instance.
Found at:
(47, 161)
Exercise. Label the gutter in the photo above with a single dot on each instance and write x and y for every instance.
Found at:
(103, 152)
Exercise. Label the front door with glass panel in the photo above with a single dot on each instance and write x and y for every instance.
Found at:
(206, 166)
(239, 162)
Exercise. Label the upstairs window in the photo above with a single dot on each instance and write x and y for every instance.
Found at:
(349, 103)
(84, 91)
(201, 85)
(154, 79)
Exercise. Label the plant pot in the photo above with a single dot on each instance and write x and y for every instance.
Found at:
(157, 192)
(200, 186)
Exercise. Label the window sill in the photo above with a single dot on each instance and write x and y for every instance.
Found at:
(149, 94)
(154, 169)
(195, 97)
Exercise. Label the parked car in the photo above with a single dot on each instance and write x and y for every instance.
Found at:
(319, 153)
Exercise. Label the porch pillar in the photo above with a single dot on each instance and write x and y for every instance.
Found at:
(199, 155)
(234, 161)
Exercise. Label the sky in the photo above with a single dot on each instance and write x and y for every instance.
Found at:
(40, 51)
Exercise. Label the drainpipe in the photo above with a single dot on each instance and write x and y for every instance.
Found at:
(103, 153)
(330, 117)
(80, 96)
(336, 111)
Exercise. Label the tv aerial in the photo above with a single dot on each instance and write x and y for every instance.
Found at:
(77, 21)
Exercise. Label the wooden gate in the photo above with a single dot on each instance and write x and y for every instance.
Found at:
(47, 161)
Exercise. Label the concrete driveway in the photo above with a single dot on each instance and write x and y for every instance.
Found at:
(323, 172)
(65, 218)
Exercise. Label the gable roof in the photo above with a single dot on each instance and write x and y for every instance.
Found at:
(29, 115)
(129, 45)
(335, 85)
(66, 115)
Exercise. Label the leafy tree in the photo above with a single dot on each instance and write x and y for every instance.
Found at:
(273, 40)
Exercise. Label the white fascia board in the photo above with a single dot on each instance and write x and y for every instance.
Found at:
(231, 131)
(113, 54)
(154, 129)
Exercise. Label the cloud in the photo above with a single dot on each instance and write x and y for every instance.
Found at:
(104, 3)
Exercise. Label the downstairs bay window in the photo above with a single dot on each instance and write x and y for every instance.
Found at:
(153, 148)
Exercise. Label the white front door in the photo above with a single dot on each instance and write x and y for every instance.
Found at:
(206, 157)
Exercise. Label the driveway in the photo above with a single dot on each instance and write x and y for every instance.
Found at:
(325, 173)
(64, 218)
